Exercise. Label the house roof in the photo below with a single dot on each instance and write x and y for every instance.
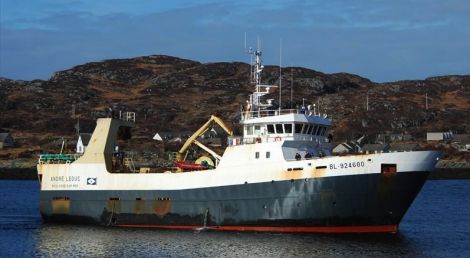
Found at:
(342, 147)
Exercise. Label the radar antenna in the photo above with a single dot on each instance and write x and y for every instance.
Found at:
(255, 71)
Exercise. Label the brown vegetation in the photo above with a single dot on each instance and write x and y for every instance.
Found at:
(172, 94)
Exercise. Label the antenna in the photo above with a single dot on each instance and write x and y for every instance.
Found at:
(280, 74)
(260, 90)
(245, 40)
(250, 52)
(291, 85)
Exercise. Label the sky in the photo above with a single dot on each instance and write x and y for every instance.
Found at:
(381, 40)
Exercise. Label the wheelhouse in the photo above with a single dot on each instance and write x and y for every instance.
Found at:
(298, 127)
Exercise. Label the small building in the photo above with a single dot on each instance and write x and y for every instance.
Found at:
(439, 136)
(6, 140)
(342, 148)
(462, 142)
(377, 147)
(347, 147)
(82, 142)
(172, 136)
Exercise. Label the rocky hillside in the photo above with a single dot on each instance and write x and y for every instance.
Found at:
(173, 94)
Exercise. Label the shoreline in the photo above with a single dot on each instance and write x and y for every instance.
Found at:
(31, 174)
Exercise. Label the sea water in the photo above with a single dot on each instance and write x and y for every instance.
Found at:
(436, 225)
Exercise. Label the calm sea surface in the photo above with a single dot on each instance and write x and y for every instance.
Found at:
(437, 225)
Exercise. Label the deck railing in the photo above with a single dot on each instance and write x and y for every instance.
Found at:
(58, 158)
(275, 112)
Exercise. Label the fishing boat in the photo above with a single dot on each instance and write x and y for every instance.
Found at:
(278, 176)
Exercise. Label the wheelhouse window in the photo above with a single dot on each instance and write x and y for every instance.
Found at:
(323, 131)
(249, 130)
(305, 128)
(311, 129)
(288, 128)
(257, 129)
(298, 128)
(279, 128)
(314, 129)
(317, 132)
(270, 129)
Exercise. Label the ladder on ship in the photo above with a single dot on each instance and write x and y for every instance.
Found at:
(129, 164)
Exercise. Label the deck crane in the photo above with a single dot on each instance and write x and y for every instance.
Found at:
(181, 154)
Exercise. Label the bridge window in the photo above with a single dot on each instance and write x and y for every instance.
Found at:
(249, 130)
(305, 129)
(257, 129)
(298, 128)
(288, 128)
(279, 128)
(314, 129)
(317, 132)
(270, 129)
(323, 131)
(310, 129)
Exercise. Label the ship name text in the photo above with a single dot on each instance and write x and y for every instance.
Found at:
(65, 178)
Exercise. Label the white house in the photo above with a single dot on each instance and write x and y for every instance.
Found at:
(82, 142)
(439, 136)
(347, 147)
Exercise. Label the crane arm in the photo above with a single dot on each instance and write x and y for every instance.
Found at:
(201, 131)
(211, 152)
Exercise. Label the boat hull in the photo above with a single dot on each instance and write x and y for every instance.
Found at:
(340, 204)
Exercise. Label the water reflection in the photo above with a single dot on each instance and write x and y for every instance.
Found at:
(437, 225)
(60, 240)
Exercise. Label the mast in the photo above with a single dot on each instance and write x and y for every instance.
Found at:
(280, 73)
(291, 85)
(259, 88)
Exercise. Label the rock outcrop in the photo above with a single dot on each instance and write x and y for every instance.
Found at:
(170, 93)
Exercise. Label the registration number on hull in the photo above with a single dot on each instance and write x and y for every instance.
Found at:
(344, 165)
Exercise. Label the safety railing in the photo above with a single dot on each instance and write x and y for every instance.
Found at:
(58, 158)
